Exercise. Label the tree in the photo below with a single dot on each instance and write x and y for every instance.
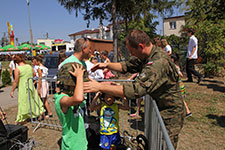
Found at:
(112, 10)
(207, 17)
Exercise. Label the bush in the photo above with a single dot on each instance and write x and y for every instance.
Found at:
(6, 79)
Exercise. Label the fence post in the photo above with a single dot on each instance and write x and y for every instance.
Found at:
(148, 120)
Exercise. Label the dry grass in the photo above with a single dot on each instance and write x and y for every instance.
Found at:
(205, 130)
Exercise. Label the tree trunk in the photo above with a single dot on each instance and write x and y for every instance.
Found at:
(115, 40)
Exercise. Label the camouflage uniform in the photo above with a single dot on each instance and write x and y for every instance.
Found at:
(158, 78)
(68, 81)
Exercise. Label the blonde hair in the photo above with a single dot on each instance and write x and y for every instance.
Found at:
(164, 42)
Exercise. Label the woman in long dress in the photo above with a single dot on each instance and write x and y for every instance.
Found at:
(22, 73)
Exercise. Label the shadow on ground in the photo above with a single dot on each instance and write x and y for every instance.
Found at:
(214, 85)
(137, 123)
(220, 120)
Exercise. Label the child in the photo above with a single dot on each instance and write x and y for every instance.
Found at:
(68, 111)
(175, 59)
(109, 120)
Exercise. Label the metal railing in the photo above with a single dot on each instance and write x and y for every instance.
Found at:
(155, 130)
(41, 121)
(153, 136)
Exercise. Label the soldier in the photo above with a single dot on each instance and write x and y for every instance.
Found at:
(158, 78)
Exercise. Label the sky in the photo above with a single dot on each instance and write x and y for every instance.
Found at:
(47, 16)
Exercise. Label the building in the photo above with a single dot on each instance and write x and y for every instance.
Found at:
(100, 45)
(47, 42)
(102, 32)
(172, 25)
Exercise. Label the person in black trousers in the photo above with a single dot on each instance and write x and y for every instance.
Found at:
(192, 56)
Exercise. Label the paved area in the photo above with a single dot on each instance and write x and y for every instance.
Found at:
(5, 100)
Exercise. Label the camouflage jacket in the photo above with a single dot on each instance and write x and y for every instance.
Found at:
(157, 77)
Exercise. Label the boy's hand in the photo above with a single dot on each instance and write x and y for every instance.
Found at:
(78, 70)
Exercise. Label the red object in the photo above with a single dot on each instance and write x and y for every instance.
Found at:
(58, 40)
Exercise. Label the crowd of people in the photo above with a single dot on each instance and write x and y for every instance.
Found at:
(155, 71)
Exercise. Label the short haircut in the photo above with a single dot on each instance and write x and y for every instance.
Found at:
(192, 31)
(137, 36)
(80, 44)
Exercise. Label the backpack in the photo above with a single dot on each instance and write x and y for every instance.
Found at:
(67, 82)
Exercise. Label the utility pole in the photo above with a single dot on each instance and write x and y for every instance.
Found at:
(31, 34)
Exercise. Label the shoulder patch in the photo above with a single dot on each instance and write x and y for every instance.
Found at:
(150, 63)
(142, 75)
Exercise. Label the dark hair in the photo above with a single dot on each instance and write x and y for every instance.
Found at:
(175, 57)
(18, 59)
(137, 36)
(40, 58)
(192, 31)
(105, 53)
(34, 58)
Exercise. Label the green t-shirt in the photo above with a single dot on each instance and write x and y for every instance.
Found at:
(71, 59)
(73, 130)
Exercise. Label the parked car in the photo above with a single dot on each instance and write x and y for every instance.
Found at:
(51, 62)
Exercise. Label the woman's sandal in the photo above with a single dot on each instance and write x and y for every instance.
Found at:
(48, 116)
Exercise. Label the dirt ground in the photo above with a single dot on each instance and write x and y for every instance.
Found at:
(205, 129)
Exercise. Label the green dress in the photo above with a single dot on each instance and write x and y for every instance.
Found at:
(37, 108)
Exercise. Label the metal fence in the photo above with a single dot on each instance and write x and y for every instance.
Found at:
(147, 132)
(155, 130)
(51, 122)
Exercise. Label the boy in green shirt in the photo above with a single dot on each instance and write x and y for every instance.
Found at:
(68, 111)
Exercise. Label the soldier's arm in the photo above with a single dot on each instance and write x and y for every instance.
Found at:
(149, 78)
(93, 86)
(111, 66)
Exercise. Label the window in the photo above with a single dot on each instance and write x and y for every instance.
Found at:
(42, 43)
(173, 25)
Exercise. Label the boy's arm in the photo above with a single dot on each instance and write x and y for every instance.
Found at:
(125, 105)
(93, 105)
(78, 94)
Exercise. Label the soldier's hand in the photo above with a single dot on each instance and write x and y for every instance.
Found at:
(92, 86)
(78, 70)
(99, 66)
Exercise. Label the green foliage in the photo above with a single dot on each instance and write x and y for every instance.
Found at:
(207, 17)
(145, 24)
(6, 79)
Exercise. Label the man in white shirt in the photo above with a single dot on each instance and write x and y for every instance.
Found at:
(12, 67)
(192, 55)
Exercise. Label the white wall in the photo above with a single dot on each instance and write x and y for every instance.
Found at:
(47, 42)
(166, 26)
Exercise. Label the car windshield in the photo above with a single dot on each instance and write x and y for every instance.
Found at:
(51, 62)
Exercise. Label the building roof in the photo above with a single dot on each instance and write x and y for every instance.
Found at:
(86, 32)
(173, 17)
(101, 40)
